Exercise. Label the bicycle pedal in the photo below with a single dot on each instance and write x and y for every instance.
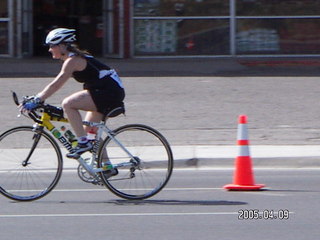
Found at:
(76, 156)
(97, 182)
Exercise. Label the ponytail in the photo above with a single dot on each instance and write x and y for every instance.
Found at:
(75, 49)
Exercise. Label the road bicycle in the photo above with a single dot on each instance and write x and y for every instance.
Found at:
(31, 160)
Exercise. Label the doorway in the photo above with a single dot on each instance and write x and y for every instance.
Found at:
(83, 15)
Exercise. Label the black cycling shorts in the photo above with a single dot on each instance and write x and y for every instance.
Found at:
(108, 97)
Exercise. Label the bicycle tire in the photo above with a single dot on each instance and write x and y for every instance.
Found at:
(32, 180)
(154, 170)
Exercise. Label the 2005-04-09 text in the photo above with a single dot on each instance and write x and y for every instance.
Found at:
(256, 214)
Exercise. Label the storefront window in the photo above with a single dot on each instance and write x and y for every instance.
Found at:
(182, 37)
(174, 33)
(181, 7)
(4, 28)
(278, 36)
(4, 48)
(277, 7)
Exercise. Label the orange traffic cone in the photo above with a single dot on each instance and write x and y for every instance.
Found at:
(243, 176)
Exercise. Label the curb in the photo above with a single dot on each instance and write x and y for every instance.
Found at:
(215, 157)
(263, 156)
(228, 163)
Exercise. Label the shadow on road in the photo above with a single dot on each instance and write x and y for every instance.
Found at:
(176, 202)
(147, 202)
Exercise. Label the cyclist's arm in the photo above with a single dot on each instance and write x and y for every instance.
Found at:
(69, 66)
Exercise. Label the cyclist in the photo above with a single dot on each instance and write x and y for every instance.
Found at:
(102, 87)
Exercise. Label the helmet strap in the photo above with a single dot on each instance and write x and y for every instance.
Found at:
(63, 49)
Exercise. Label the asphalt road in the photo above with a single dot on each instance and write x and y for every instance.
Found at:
(192, 206)
(202, 110)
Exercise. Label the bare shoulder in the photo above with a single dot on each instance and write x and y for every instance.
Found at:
(74, 63)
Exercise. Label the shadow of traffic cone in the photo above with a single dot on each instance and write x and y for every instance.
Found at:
(243, 176)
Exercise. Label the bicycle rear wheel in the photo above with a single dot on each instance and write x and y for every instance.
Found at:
(30, 163)
(154, 160)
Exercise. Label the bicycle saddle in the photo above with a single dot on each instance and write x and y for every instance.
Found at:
(113, 112)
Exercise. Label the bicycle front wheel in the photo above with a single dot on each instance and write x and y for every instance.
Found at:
(30, 163)
(151, 154)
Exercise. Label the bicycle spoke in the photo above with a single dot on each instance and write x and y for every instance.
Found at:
(153, 156)
(30, 166)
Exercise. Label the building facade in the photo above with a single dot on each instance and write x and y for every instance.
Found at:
(165, 28)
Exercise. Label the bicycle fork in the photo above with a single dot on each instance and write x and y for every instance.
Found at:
(36, 138)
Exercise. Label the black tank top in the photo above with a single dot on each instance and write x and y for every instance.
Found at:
(96, 74)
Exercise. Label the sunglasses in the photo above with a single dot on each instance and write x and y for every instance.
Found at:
(52, 45)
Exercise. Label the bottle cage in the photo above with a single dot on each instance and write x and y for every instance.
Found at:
(53, 111)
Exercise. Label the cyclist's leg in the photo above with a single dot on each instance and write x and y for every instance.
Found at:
(92, 116)
(78, 101)
(96, 117)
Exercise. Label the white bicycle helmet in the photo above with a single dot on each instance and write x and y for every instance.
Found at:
(60, 35)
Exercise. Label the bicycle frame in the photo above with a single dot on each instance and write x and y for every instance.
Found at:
(45, 122)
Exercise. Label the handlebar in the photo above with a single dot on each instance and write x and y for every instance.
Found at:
(47, 108)
(57, 112)
(15, 98)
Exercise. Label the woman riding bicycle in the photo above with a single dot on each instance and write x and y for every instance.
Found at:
(102, 88)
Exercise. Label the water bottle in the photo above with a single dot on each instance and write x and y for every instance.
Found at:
(69, 135)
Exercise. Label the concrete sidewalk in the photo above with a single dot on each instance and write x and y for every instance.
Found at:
(263, 156)
(217, 157)
(209, 157)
